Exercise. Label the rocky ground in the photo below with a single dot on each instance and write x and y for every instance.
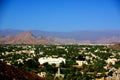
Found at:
(8, 72)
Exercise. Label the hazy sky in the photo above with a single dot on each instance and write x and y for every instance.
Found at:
(60, 15)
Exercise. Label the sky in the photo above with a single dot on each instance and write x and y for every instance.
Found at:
(60, 15)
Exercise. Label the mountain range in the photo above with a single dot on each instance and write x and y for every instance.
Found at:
(11, 36)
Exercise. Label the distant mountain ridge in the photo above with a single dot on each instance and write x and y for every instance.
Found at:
(23, 38)
(37, 36)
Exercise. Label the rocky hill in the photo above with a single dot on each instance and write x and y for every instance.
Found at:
(8, 72)
(116, 46)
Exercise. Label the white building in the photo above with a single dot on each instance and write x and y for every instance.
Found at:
(42, 74)
(113, 60)
(51, 60)
(80, 63)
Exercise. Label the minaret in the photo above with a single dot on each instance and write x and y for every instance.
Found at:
(58, 70)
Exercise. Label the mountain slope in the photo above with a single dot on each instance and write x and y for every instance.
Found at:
(23, 38)
(8, 72)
